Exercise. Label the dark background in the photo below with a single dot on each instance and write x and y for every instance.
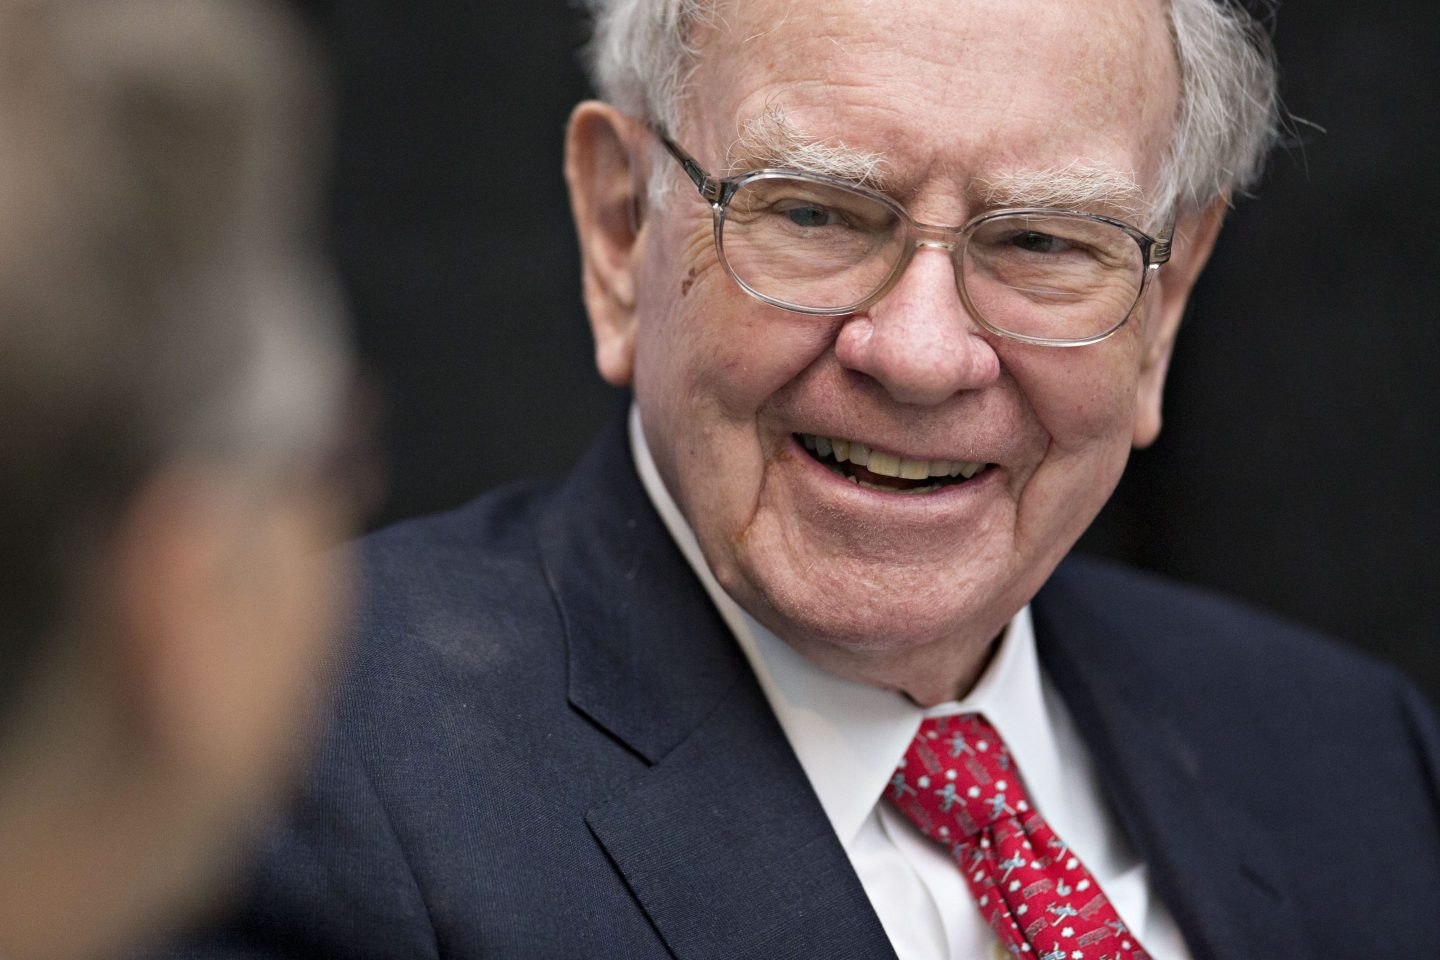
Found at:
(1298, 464)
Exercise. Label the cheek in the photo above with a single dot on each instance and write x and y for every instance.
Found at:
(675, 344)
(704, 342)
(1083, 397)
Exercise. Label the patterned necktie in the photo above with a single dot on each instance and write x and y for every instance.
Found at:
(959, 786)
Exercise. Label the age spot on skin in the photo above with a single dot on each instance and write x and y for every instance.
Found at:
(687, 283)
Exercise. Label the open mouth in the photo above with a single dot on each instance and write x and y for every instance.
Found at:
(885, 471)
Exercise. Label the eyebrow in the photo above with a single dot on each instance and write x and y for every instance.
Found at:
(771, 140)
(1079, 184)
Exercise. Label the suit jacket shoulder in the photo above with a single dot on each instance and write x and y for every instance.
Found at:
(1247, 754)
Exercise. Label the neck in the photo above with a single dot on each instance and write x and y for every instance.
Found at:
(87, 825)
(927, 675)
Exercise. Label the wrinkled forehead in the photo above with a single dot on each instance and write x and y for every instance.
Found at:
(985, 87)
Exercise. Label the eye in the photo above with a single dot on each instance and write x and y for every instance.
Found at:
(811, 215)
(1032, 241)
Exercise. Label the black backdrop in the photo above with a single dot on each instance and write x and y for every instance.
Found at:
(1298, 464)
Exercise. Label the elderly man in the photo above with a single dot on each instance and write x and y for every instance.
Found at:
(791, 665)
(170, 381)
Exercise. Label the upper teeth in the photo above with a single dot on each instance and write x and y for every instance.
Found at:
(888, 464)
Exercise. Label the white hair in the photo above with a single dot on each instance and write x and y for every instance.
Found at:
(641, 59)
(770, 140)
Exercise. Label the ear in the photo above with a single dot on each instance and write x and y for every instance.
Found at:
(606, 182)
(1194, 239)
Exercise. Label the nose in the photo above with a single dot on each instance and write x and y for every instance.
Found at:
(918, 341)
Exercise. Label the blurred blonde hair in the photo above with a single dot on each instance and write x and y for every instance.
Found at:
(161, 289)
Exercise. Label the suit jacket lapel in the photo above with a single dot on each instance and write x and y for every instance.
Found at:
(721, 839)
(730, 853)
(1211, 864)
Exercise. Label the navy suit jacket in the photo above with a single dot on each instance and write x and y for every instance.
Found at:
(549, 746)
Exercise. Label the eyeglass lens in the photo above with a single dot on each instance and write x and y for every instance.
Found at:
(822, 246)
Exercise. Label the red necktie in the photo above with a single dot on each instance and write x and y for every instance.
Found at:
(958, 785)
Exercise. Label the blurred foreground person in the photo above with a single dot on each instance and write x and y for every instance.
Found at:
(170, 376)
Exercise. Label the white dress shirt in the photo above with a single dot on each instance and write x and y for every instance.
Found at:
(849, 737)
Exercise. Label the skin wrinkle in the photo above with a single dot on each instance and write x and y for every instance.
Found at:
(785, 18)
(699, 253)
(1082, 183)
(772, 140)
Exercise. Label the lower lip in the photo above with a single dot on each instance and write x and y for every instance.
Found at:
(946, 497)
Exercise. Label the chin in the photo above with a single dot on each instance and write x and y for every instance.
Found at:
(873, 611)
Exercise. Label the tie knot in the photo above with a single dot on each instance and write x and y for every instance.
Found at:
(958, 784)
(957, 778)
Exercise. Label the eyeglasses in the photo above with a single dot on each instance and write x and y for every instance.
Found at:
(816, 245)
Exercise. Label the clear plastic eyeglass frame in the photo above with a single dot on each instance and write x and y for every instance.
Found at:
(719, 191)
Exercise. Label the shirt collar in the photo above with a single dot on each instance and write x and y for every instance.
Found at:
(849, 736)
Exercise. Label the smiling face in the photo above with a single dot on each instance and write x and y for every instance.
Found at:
(901, 587)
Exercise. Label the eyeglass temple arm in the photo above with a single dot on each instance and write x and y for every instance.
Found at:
(1160, 248)
(709, 188)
